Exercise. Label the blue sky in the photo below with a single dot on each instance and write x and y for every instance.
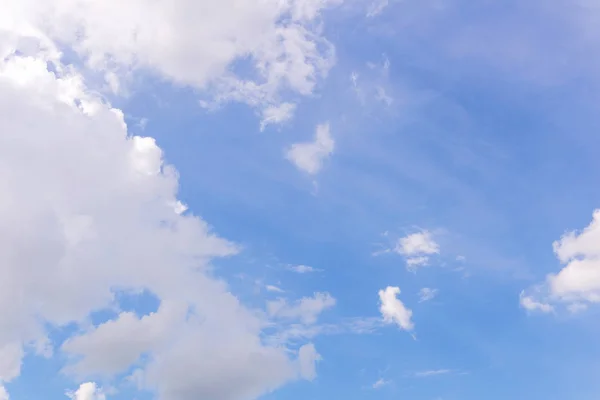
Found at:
(383, 200)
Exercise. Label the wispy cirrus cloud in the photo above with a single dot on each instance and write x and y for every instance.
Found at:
(303, 269)
(433, 372)
(426, 294)
(380, 383)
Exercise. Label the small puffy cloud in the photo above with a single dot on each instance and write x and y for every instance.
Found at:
(306, 309)
(303, 269)
(577, 284)
(528, 303)
(380, 383)
(580, 252)
(427, 294)
(417, 248)
(307, 359)
(309, 156)
(276, 114)
(87, 391)
(393, 310)
(417, 243)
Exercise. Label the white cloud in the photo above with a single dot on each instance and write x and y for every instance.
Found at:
(377, 7)
(416, 248)
(115, 345)
(3, 393)
(87, 391)
(275, 114)
(426, 294)
(433, 372)
(87, 210)
(309, 156)
(191, 42)
(530, 304)
(393, 310)
(272, 288)
(294, 333)
(417, 243)
(303, 269)
(578, 282)
(11, 355)
(580, 252)
(309, 9)
(214, 362)
(306, 309)
(308, 357)
(380, 383)
(413, 263)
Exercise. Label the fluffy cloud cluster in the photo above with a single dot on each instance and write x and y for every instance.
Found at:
(88, 211)
(249, 51)
(578, 282)
(417, 248)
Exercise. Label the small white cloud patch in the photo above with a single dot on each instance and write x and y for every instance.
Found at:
(309, 156)
(380, 383)
(577, 284)
(528, 303)
(303, 269)
(580, 278)
(87, 391)
(417, 247)
(417, 243)
(276, 114)
(393, 310)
